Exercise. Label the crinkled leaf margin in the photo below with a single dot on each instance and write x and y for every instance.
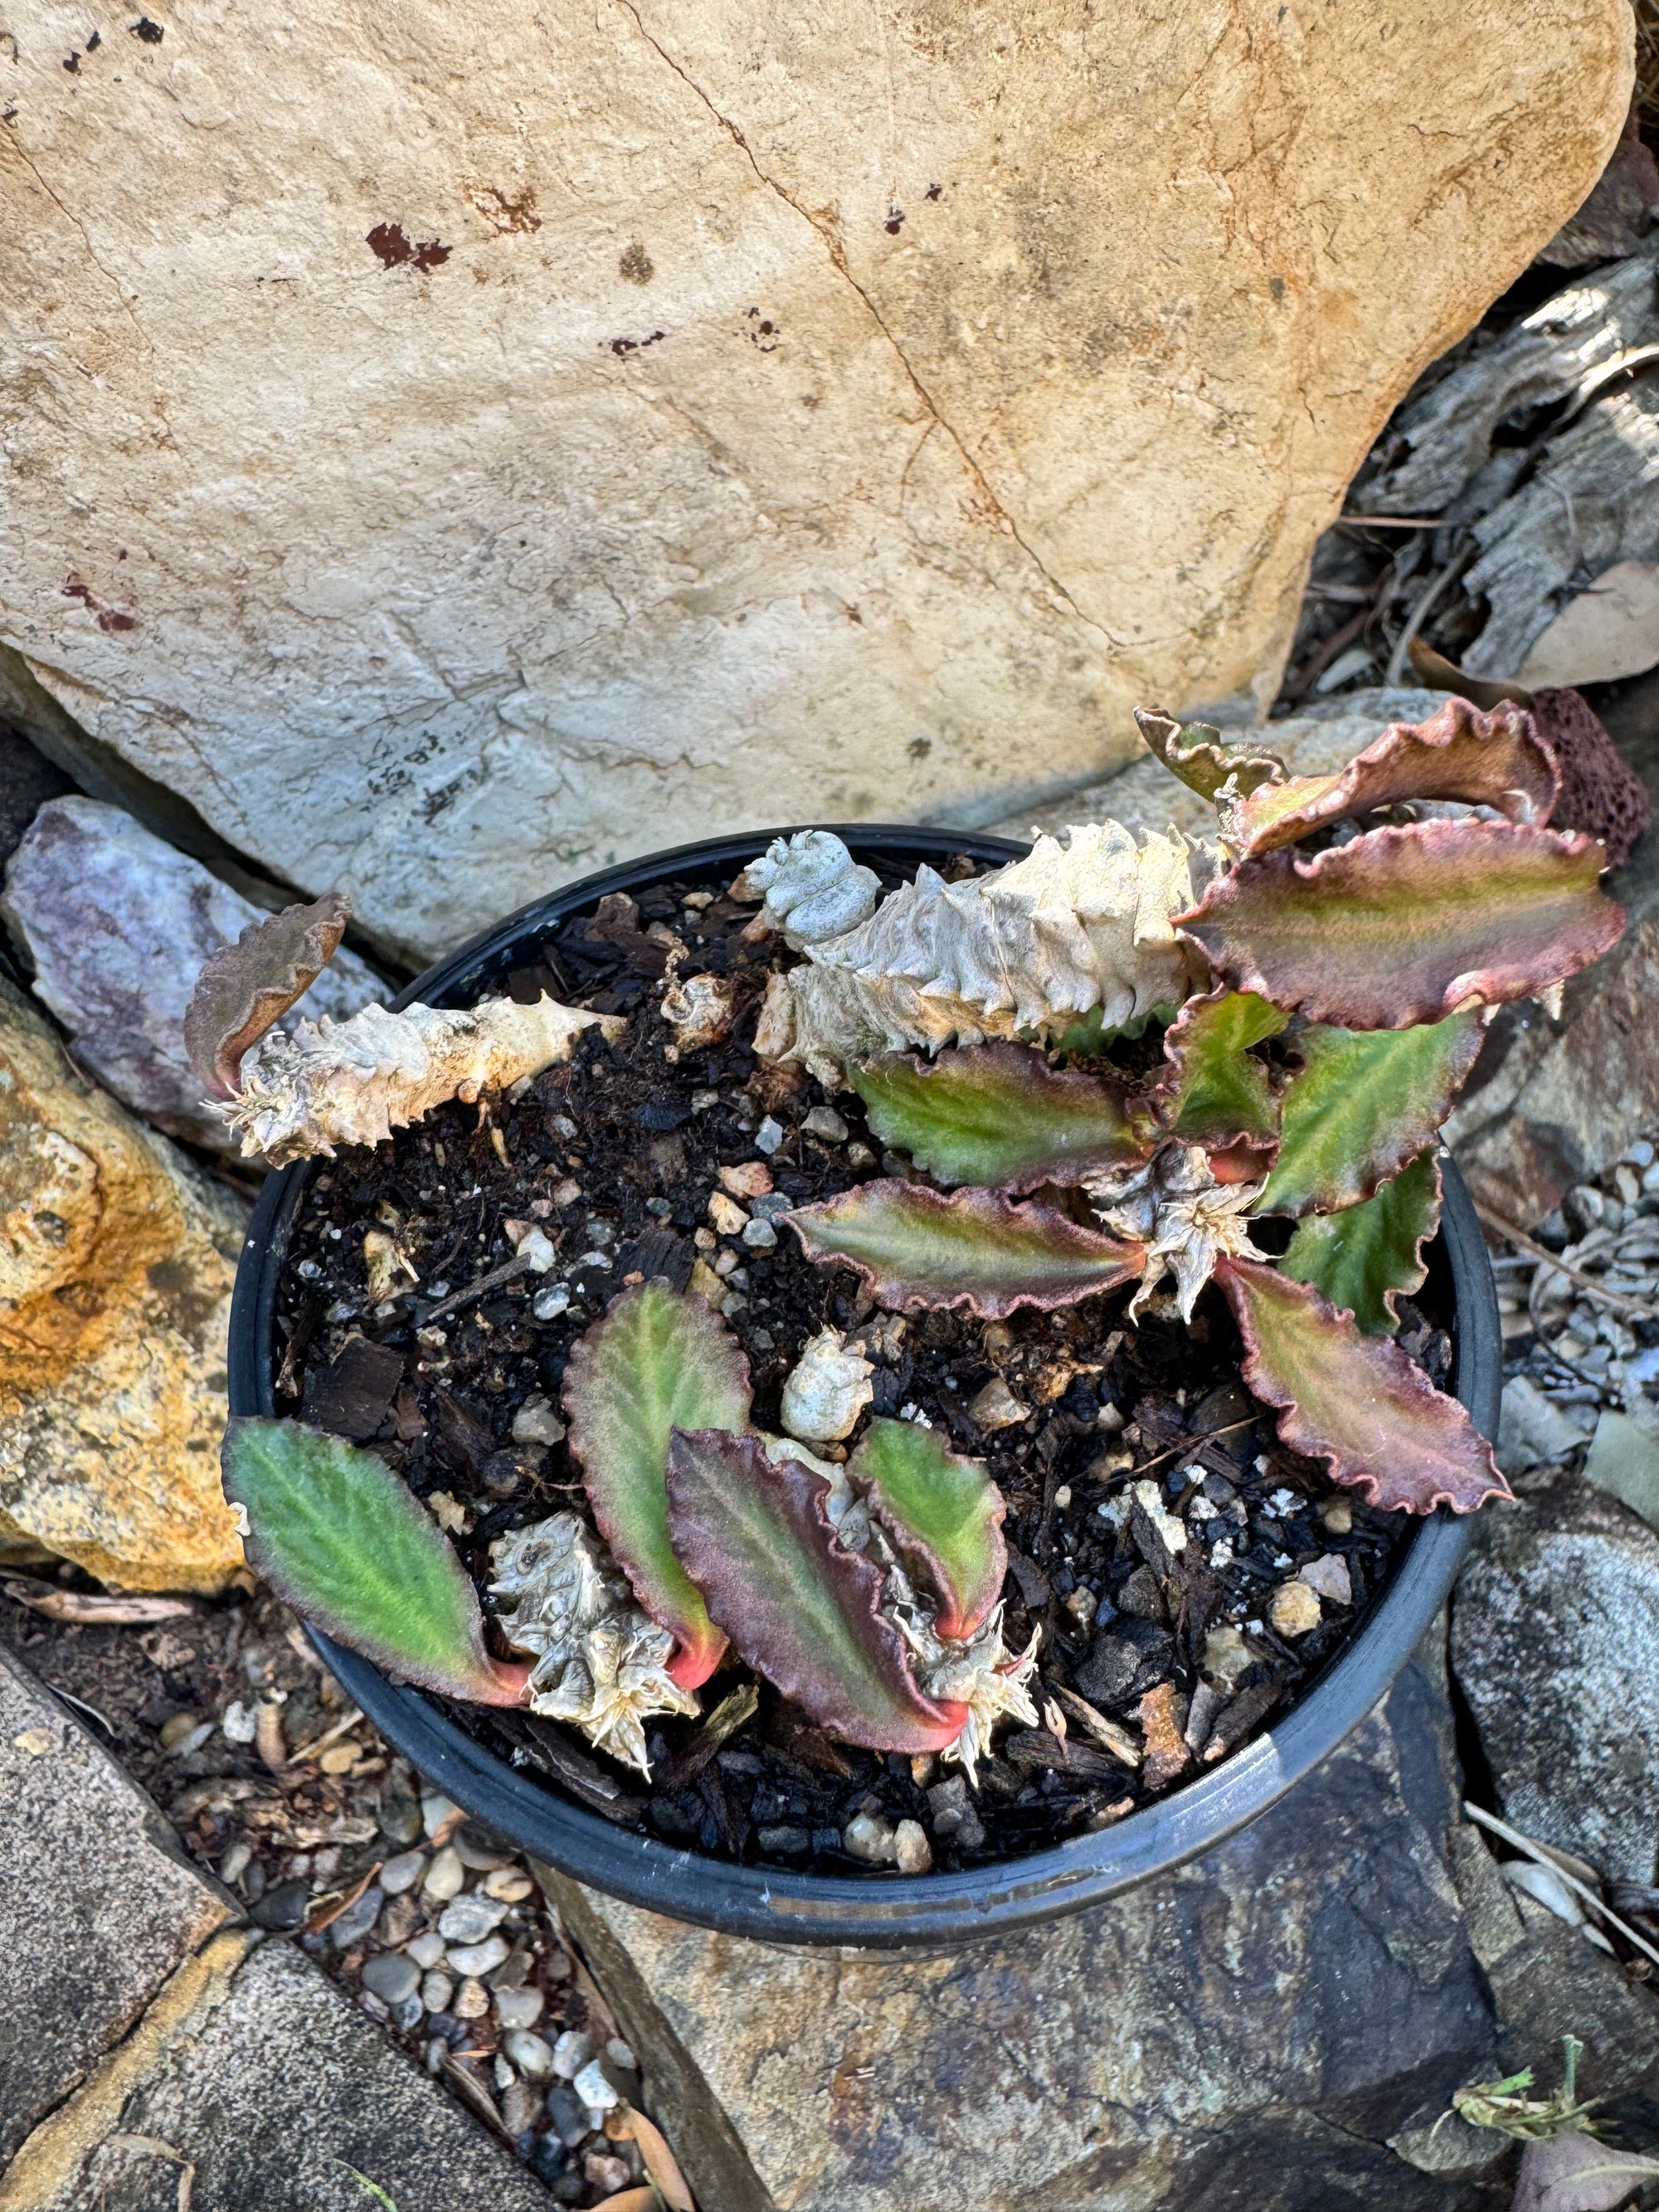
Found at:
(658, 1359)
(1355, 1401)
(916, 1247)
(799, 1607)
(340, 1538)
(1405, 926)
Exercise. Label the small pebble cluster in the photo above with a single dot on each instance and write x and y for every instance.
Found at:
(1580, 1307)
(448, 1942)
(434, 1928)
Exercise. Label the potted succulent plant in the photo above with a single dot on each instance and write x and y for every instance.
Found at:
(848, 1415)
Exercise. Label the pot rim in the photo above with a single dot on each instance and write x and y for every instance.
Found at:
(934, 1911)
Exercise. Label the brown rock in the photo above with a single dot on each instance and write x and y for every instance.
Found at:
(988, 378)
(116, 1265)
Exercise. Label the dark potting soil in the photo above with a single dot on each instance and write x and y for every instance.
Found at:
(615, 1157)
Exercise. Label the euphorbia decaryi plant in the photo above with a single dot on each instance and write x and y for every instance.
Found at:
(1322, 971)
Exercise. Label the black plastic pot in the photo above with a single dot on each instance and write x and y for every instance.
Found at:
(932, 1911)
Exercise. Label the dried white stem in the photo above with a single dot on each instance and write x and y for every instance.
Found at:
(1075, 926)
(354, 1082)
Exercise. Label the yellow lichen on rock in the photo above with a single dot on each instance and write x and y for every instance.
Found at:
(116, 1266)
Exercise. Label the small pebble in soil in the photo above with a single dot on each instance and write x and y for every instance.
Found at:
(531, 2053)
(866, 1837)
(471, 2000)
(425, 1950)
(1293, 1609)
(912, 1852)
(536, 1422)
(282, 1909)
(595, 2088)
(571, 2052)
(351, 1925)
(995, 1406)
(470, 1918)
(520, 2009)
(437, 1992)
(568, 2115)
(1329, 1576)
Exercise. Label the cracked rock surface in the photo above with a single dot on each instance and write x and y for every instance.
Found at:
(1277, 2026)
(507, 436)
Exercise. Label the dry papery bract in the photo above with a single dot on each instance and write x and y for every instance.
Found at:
(601, 1662)
(1076, 926)
(353, 1082)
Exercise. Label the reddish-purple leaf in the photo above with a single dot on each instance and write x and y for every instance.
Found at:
(1355, 1401)
(798, 1607)
(916, 1247)
(944, 1514)
(247, 986)
(1406, 926)
(1487, 760)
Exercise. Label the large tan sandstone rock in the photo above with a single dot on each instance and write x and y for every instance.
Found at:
(116, 1265)
(458, 446)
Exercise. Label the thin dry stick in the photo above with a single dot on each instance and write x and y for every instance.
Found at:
(1542, 1857)
(1424, 607)
(493, 1281)
(1545, 1258)
(321, 1742)
(1193, 1444)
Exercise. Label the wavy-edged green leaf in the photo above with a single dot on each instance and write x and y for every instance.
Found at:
(799, 1609)
(1487, 760)
(1215, 1091)
(916, 1247)
(340, 1538)
(657, 1360)
(1405, 926)
(1196, 753)
(1355, 1401)
(944, 1515)
(998, 1114)
(1364, 1258)
(1363, 1103)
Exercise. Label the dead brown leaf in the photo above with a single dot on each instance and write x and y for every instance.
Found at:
(327, 1909)
(624, 2125)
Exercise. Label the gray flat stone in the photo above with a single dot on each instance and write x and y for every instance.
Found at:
(1555, 1643)
(273, 2089)
(1250, 2032)
(97, 1905)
